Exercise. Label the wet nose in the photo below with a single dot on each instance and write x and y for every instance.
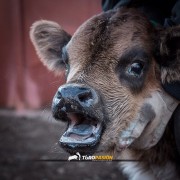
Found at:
(70, 94)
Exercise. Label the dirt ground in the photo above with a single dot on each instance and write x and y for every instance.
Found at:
(29, 151)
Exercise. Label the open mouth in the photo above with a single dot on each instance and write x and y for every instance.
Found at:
(83, 132)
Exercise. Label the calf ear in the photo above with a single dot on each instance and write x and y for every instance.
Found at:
(170, 54)
(48, 39)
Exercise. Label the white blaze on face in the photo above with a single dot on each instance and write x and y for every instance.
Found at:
(147, 129)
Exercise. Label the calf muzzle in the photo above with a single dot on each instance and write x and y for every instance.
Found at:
(78, 105)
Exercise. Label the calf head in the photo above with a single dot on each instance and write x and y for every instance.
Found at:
(113, 94)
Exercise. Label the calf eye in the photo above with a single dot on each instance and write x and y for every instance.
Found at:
(67, 69)
(135, 69)
(65, 60)
(64, 56)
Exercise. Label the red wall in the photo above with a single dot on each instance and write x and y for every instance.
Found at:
(24, 81)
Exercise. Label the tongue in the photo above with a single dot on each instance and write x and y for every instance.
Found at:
(82, 129)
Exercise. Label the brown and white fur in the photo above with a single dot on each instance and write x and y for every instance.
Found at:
(135, 109)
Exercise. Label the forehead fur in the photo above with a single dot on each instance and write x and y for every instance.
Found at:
(111, 33)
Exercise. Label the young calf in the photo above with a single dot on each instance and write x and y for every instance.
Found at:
(113, 100)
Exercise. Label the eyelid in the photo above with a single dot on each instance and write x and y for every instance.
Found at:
(138, 60)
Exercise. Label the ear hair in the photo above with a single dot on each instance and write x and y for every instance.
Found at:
(48, 39)
(169, 57)
(170, 45)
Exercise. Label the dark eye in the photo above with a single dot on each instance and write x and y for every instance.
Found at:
(135, 69)
(64, 56)
(65, 60)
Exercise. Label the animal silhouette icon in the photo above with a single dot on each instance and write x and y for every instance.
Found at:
(75, 157)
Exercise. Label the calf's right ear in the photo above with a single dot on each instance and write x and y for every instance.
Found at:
(169, 58)
(48, 39)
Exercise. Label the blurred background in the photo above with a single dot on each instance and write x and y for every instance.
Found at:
(28, 134)
(25, 83)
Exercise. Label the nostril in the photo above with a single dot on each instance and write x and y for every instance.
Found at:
(58, 100)
(58, 95)
(85, 96)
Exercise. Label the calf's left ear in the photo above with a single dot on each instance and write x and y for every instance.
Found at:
(48, 39)
(169, 57)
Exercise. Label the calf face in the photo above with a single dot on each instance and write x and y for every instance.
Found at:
(113, 90)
